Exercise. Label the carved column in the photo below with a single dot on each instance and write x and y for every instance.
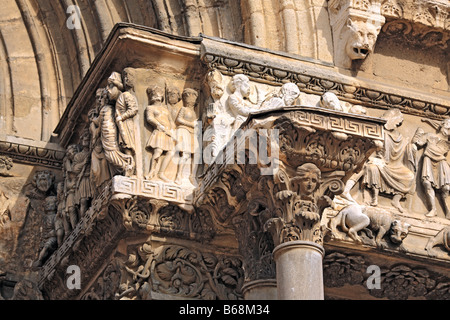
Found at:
(275, 207)
(299, 270)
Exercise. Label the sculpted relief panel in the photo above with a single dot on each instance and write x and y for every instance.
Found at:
(159, 144)
(146, 137)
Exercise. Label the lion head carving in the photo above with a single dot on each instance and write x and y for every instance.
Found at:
(360, 38)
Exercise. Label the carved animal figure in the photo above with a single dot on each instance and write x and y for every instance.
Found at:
(360, 39)
(355, 218)
(442, 238)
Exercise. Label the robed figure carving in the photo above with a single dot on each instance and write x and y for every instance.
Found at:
(126, 110)
(392, 169)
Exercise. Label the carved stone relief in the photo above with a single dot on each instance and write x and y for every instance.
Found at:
(397, 282)
(140, 144)
(355, 29)
(170, 271)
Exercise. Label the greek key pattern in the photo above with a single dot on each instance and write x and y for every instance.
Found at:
(338, 123)
(151, 189)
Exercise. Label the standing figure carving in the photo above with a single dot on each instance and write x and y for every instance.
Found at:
(392, 169)
(49, 242)
(161, 141)
(173, 97)
(82, 165)
(62, 227)
(126, 110)
(100, 171)
(217, 132)
(435, 168)
(70, 181)
(121, 163)
(185, 123)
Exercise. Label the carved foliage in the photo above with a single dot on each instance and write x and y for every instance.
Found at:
(328, 150)
(340, 269)
(398, 282)
(160, 216)
(184, 272)
(179, 271)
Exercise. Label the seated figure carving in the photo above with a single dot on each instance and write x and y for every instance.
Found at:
(392, 170)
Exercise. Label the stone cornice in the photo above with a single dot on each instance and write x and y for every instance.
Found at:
(32, 152)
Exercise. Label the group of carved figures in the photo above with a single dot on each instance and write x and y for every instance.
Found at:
(393, 169)
(108, 145)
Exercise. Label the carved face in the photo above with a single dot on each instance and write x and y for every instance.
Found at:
(290, 93)
(308, 183)
(242, 85)
(50, 204)
(216, 92)
(44, 180)
(361, 38)
(113, 91)
(445, 127)
(173, 96)
(399, 231)
(189, 98)
(330, 101)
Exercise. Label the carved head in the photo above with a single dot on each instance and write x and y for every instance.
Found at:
(72, 150)
(190, 97)
(173, 95)
(115, 86)
(289, 92)
(43, 180)
(399, 230)
(214, 79)
(128, 79)
(6, 163)
(360, 38)
(85, 138)
(329, 100)
(394, 119)
(155, 94)
(445, 127)
(50, 204)
(307, 179)
(241, 83)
